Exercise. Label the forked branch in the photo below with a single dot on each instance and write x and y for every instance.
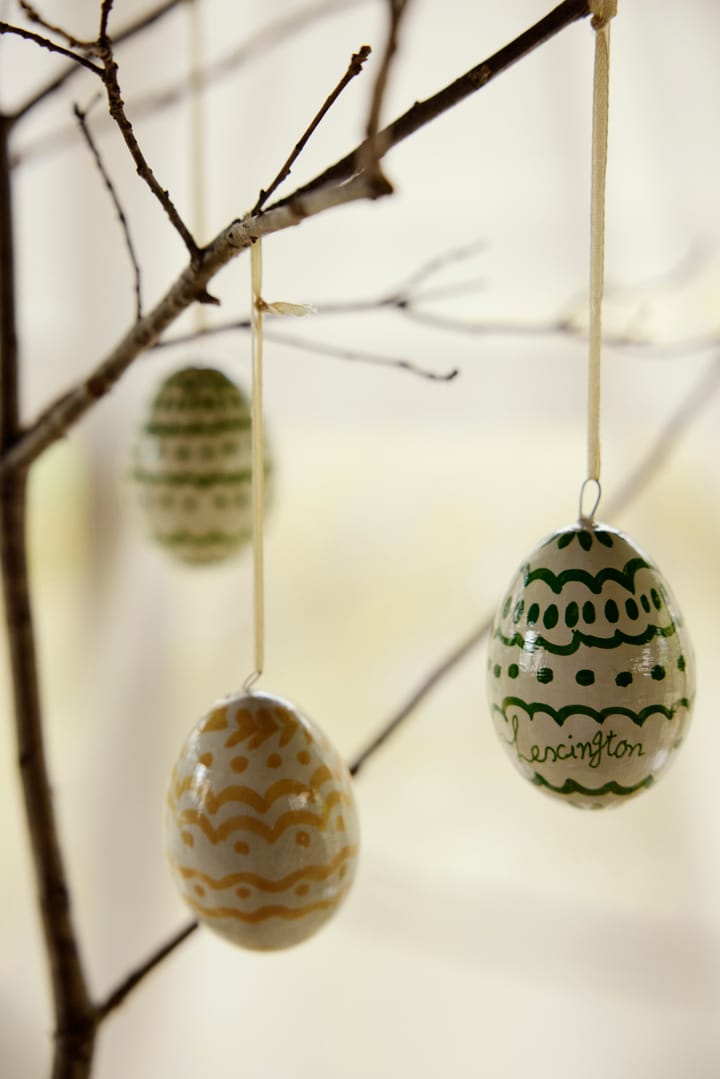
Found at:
(328, 190)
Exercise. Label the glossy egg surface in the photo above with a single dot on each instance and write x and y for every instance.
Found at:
(192, 466)
(590, 668)
(261, 827)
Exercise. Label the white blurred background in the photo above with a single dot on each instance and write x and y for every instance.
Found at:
(491, 931)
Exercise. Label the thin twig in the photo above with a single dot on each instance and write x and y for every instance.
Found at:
(34, 16)
(372, 150)
(253, 48)
(82, 120)
(58, 417)
(319, 348)
(424, 112)
(354, 68)
(105, 9)
(133, 979)
(701, 394)
(116, 107)
(389, 728)
(130, 31)
(51, 46)
(433, 266)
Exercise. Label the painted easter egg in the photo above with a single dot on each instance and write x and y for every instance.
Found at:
(590, 668)
(261, 827)
(192, 466)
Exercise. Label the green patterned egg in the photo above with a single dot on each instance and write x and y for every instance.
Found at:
(192, 466)
(590, 668)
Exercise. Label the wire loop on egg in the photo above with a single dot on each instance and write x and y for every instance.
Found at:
(598, 495)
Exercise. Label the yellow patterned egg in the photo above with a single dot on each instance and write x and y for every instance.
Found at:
(590, 668)
(192, 466)
(261, 826)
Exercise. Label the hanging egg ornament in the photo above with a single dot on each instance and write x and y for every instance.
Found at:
(192, 466)
(261, 826)
(590, 668)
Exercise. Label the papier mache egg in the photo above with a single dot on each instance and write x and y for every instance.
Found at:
(192, 466)
(590, 668)
(261, 826)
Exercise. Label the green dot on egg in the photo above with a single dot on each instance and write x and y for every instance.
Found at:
(572, 613)
(611, 611)
(632, 609)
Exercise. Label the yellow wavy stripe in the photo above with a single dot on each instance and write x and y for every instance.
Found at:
(217, 720)
(260, 802)
(263, 913)
(244, 823)
(263, 884)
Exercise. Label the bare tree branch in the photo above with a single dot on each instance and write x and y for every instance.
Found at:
(133, 979)
(701, 394)
(318, 348)
(73, 1013)
(251, 49)
(82, 120)
(372, 151)
(355, 67)
(424, 112)
(443, 668)
(105, 9)
(129, 32)
(34, 16)
(116, 107)
(307, 201)
(51, 46)
(191, 285)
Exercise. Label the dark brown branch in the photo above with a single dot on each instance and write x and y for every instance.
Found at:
(34, 16)
(251, 49)
(451, 661)
(307, 201)
(116, 107)
(129, 32)
(65, 411)
(354, 68)
(105, 9)
(133, 979)
(82, 120)
(73, 1012)
(424, 112)
(372, 150)
(51, 46)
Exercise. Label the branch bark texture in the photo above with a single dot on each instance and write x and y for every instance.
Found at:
(73, 1012)
(336, 186)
